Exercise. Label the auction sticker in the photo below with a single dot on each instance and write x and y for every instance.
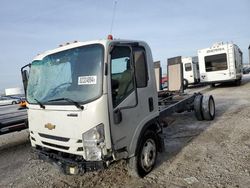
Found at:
(87, 80)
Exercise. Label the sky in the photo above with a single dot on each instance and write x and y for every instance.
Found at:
(170, 27)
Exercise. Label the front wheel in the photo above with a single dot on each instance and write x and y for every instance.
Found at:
(144, 161)
(185, 83)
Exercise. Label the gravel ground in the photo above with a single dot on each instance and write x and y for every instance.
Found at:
(198, 154)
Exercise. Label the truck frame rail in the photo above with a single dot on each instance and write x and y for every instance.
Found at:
(170, 102)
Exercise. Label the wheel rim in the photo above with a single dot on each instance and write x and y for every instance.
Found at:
(148, 155)
(211, 107)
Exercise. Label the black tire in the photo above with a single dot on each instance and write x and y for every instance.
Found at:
(198, 107)
(13, 102)
(208, 107)
(212, 85)
(185, 83)
(145, 159)
(238, 82)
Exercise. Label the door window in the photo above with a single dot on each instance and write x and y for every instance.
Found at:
(188, 67)
(122, 79)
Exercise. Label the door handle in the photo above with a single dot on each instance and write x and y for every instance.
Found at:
(150, 104)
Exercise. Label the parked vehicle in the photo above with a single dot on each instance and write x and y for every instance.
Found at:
(246, 70)
(191, 70)
(8, 100)
(13, 91)
(220, 63)
(12, 119)
(164, 82)
(23, 104)
(105, 107)
(249, 54)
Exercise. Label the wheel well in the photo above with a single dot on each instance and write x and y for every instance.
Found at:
(154, 126)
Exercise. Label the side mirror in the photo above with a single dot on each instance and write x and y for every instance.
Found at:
(140, 69)
(25, 77)
(117, 116)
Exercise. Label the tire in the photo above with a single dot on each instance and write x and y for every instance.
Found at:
(13, 102)
(185, 83)
(208, 108)
(145, 159)
(212, 85)
(238, 82)
(198, 107)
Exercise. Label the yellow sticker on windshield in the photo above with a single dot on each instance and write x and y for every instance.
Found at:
(87, 80)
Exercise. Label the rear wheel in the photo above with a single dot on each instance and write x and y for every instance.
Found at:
(13, 102)
(208, 107)
(198, 107)
(212, 85)
(238, 82)
(144, 161)
(185, 83)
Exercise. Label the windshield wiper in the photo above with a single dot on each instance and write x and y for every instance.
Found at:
(69, 100)
(40, 104)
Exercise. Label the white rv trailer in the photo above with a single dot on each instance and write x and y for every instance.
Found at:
(220, 63)
(191, 71)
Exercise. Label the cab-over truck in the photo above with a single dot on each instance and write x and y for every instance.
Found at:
(92, 103)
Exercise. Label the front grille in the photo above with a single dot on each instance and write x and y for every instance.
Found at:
(56, 146)
(58, 138)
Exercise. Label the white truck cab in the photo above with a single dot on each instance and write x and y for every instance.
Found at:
(220, 63)
(92, 103)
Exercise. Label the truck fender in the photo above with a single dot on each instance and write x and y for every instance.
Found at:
(153, 125)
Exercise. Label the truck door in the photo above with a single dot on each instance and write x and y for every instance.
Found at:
(126, 99)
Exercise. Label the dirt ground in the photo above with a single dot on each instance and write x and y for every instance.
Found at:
(198, 154)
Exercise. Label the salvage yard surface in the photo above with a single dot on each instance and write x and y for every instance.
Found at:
(198, 153)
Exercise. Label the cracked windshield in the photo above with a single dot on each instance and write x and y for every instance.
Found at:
(74, 74)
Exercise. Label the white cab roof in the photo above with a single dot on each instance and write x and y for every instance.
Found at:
(104, 42)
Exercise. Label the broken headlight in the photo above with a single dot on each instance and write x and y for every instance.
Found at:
(92, 142)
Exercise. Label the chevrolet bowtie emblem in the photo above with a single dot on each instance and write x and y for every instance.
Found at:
(49, 126)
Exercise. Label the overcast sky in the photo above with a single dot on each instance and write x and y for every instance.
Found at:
(171, 27)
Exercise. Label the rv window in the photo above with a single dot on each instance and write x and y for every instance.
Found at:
(216, 62)
(188, 67)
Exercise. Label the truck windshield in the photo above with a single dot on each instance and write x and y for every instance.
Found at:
(75, 74)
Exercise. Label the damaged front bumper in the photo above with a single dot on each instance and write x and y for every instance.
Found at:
(69, 163)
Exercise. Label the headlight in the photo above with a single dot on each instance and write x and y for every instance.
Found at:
(92, 140)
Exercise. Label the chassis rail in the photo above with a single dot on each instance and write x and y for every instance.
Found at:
(170, 103)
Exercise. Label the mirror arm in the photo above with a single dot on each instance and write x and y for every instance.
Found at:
(25, 79)
(28, 65)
